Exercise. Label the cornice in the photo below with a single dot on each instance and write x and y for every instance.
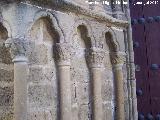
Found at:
(78, 9)
(65, 5)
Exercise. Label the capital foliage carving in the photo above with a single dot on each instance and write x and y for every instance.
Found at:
(63, 53)
(117, 58)
(96, 57)
(17, 46)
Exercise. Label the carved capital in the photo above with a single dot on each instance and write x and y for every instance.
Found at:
(96, 57)
(63, 53)
(117, 59)
(18, 48)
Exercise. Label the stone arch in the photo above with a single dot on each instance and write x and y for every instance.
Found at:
(6, 76)
(81, 22)
(112, 41)
(8, 27)
(83, 33)
(43, 67)
(47, 22)
(3, 32)
(117, 61)
(54, 20)
(110, 45)
(4, 52)
(80, 72)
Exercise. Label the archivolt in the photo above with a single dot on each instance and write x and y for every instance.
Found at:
(7, 26)
(84, 23)
(114, 46)
(54, 20)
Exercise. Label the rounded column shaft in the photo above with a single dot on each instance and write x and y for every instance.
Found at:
(20, 90)
(118, 75)
(65, 92)
(117, 62)
(18, 48)
(63, 58)
(97, 97)
(96, 63)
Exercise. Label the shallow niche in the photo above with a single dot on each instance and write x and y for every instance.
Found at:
(81, 44)
(6, 78)
(43, 70)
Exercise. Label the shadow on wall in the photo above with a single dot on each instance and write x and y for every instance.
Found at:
(43, 69)
(6, 78)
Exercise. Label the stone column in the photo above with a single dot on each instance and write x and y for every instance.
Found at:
(18, 48)
(63, 59)
(96, 58)
(132, 78)
(117, 62)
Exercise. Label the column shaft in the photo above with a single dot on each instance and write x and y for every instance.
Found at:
(18, 49)
(118, 75)
(20, 90)
(65, 92)
(96, 58)
(63, 60)
(97, 94)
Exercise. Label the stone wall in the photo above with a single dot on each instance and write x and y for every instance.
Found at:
(42, 83)
(77, 65)
(6, 78)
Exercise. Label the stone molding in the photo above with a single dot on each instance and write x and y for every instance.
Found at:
(68, 5)
(65, 4)
(63, 53)
(96, 57)
(19, 48)
(75, 8)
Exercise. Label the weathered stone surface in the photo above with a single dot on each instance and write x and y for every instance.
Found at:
(79, 26)
(6, 96)
(83, 93)
(80, 75)
(108, 91)
(126, 107)
(39, 55)
(108, 61)
(84, 113)
(42, 115)
(107, 74)
(18, 47)
(6, 75)
(6, 113)
(50, 74)
(41, 95)
(6, 81)
(75, 115)
(36, 74)
(108, 111)
(5, 56)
